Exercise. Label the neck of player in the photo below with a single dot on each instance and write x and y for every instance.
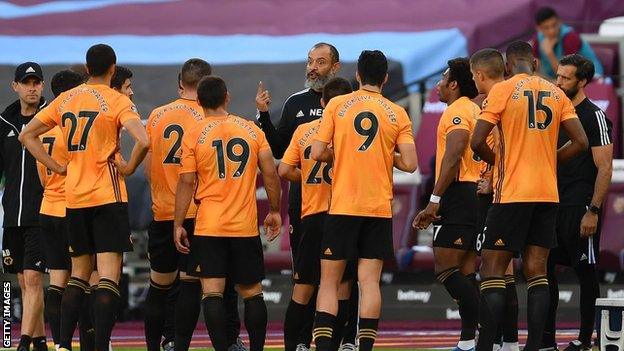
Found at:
(103, 80)
(369, 87)
(189, 94)
(27, 109)
(215, 113)
(579, 97)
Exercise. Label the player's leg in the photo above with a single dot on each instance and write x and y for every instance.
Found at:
(549, 341)
(247, 271)
(230, 299)
(87, 314)
(304, 338)
(541, 238)
(188, 304)
(164, 270)
(59, 264)
(344, 293)
(169, 326)
(74, 296)
(111, 236)
(339, 244)
(448, 262)
(34, 266)
(349, 332)
(214, 311)
(306, 273)
(510, 323)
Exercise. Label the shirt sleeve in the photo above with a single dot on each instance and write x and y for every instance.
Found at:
(127, 110)
(49, 115)
(567, 109)
(188, 162)
(291, 155)
(453, 120)
(405, 136)
(326, 129)
(599, 130)
(494, 104)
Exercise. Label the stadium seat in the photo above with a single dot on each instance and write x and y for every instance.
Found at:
(608, 56)
(611, 243)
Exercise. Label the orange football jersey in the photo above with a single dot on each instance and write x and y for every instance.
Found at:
(223, 152)
(528, 111)
(53, 202)
(364, 128)
(462, 114)
(90, 117)
(315, 175)
(166, 127)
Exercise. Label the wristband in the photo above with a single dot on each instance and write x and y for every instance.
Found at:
(594, 209)
(435, 199)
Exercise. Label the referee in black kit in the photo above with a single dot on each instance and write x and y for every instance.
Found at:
(21, 240)
(583, 183)
(301, 107)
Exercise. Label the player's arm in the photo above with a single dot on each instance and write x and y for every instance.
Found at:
(322, 152)
(146, 169)
(603, 159)
(289, 172)
(273, 221)
(184, 195)
(141, 146)
(406, 158)
(29, 137)
(578, 140)
(479, 144)
(456, 143)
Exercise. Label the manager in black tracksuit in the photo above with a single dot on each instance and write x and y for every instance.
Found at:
(301, 107)
(21, 241)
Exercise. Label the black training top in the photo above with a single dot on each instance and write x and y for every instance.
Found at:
(576, 178)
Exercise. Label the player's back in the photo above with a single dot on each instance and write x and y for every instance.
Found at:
(366, 129)
(225, 151)
(91, 117)
(53, 202)
(530, 111)
(316, 176)
(165, 128)
(462, 114)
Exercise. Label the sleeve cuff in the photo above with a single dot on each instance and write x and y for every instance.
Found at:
(262, 117)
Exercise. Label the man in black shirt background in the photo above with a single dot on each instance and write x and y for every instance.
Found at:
(301, 107)
(21, 240)
(583, 183)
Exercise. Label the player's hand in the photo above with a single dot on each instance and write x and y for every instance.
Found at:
(484, 186)
(272, 225)
(589, 224)
(548, 45)
(425, 217)
(180, 237)
(122, 166)
(263, 98)
(62, 170)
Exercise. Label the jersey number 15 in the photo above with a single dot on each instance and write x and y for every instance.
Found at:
(539, 106)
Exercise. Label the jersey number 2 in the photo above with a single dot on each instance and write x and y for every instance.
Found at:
(313, 177)
(171, 156)
(241, 158)
(50, 141)
(533, 107)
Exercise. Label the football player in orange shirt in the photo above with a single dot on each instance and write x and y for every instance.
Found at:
(315, 177)
(488, 68)
(91, 116)
(528, 111)
(365, 129)
(454, 198)
(220, 158)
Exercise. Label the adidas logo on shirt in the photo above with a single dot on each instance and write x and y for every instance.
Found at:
(584, 257)
(300, 114)
(499, 242)
(458, 242)
(11, 133)
(328, 252)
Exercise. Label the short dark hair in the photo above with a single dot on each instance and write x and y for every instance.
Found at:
(372, 67)
(519, 50)
(211, 92)
(121, 74)
(333, 52)
(335, 87)
(584, 68)
(193, 70)
(459, 71)
(544, 13)
(490, 61)
(65, 80)
(99, 59)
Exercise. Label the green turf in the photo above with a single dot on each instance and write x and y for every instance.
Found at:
(272, 349)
